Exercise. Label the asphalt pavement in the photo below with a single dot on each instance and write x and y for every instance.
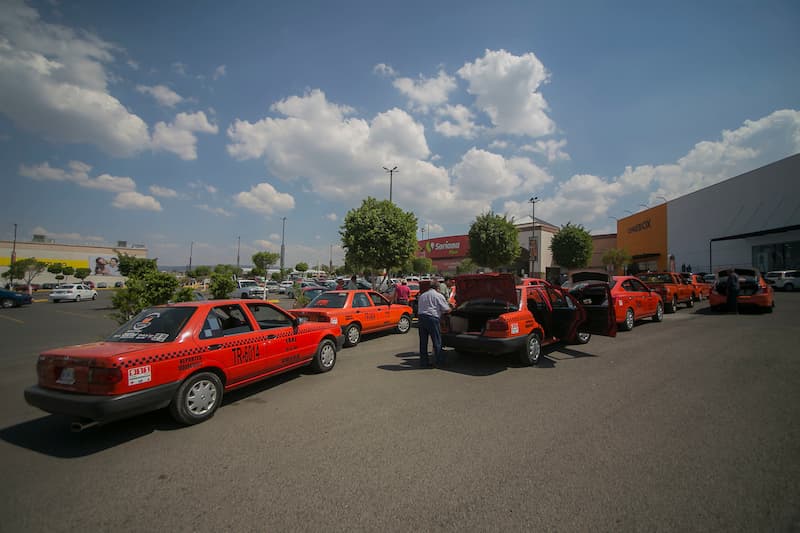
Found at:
(692, 424)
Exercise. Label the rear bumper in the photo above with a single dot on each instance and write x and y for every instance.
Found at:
(101, 408)
(463, 342)
(339, 342)
(757, 300)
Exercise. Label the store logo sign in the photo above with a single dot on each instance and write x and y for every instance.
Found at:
(641, 226)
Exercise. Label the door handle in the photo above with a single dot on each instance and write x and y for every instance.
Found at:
(272, 337)
(212, 347)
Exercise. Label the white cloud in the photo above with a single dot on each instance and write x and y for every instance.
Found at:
(162, 94)
(552, 149)
(53, 82)
(506, 87)
(332, 217)
(275, 237)
(214, 210)
(265, 199)
(461, 125)
(180, 68)
(164, 192)
(67, 236)
(486, 175)
(262, 244)
(135, 200)
(220, 72)
(385, 70)
(498, 144)
(179, 137)
(424, 93)
(78, 173)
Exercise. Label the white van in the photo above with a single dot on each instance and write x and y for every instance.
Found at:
(786, 280)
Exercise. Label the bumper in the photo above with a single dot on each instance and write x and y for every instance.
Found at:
(462, 342)
(339, 342)
(757, 300)
(101, 408)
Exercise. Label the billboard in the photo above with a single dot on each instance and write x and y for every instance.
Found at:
(104, 265)
(446, 247)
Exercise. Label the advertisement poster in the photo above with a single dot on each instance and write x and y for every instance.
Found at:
(104, 265)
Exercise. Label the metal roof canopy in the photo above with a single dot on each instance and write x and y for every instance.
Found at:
(746, 236)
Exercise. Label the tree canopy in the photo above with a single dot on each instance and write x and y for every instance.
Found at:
(493, 240)
(263, 260)
(378, 235)
(301, 267)
(572, 246)
(616, 259)
(26, 270)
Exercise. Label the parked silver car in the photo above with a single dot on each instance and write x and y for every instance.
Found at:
(72, 291)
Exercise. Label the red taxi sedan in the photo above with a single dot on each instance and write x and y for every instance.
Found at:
(633, 300)
(182, 356)
(357, 312)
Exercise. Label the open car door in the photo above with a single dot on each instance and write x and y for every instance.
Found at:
(598, 305)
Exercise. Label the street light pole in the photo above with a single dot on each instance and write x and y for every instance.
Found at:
(283, 246)
(13, 260)
(191, 249)
(533, 242)
(391, 172)
(238, 248)
(423, 238)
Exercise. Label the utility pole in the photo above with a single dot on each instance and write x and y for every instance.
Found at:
(191, 249)
(422, 229)
(533, 243)
(391, 172)
(238, 248)
(283, 246)
(13, 260)
(330, 264)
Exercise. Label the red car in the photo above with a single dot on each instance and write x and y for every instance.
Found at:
(633, 300)
(182, 356)
(357, 312)
(754, 291)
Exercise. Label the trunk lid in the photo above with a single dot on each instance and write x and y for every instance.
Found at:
(73, 368)
(486, 286)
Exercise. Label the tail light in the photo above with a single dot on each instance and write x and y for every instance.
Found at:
(498, 324)
(104, 376)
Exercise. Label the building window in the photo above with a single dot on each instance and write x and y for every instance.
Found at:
(782, 256)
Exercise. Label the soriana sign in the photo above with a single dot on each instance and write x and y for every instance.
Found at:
(444, 247)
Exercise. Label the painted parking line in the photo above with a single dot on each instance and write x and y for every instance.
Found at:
(76, 314)
(12, 319)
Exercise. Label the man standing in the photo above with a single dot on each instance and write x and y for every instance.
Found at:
(353, 283)
(402, 293)
(733, 291)
(430, 306)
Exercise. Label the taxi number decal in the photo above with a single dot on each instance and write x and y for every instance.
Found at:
(370, 316)
(291, 359)
(245, 354)
(140, 374)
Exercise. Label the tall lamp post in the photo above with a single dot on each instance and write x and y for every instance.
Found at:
(283, 245)
(532, 243)
(391, 172)
(423, 238)
(13, 259)
(238, 248)
(191, 249)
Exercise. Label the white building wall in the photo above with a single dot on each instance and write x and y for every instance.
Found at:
(765, 198)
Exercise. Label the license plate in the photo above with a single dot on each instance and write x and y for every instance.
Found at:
(67, 376)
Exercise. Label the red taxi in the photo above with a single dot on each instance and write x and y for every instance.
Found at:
(493, 316)
(754, 291)
(701, 288)
(357, 312)
(634, 301)
(182, 356)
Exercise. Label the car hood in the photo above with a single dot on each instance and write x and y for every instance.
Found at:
(494, 286)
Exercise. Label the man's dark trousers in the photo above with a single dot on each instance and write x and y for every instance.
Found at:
(429, 325)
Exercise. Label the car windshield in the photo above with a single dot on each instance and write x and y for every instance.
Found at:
(329, 300)
(773, 274)
(656, 278)
(154, 325)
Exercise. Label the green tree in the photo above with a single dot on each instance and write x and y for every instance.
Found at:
(55, 268)
(276, 276)
(616, 259)
(301, 267)
(467, 266)
(378, 235)
(135, 267)
(82, 273)
(143, 289)
(26, 270)
(422, 265)
(221, 285)
(228, 270)
(493, 240)
(572, 246)
(264, 260)
(68, 271)
(201, 272)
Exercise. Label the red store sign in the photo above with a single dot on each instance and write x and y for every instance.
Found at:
(445, 247)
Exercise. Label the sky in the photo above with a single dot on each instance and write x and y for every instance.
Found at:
(200, 126)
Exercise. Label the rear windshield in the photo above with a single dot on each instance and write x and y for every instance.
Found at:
(329, 300)
(655, 278)
(154, 325)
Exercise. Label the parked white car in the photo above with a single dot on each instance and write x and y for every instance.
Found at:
(787, 280)
(75, 292)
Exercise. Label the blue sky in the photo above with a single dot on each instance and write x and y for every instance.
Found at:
(166, 123)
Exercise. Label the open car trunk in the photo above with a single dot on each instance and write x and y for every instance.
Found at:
(748, 281)
(472, 316)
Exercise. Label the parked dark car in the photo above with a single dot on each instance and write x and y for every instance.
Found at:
(14, 299)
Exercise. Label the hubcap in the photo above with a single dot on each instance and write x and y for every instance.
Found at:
(404, 324)
(327, 355)
(352, 335)
(533, 349)
(202, 397)
(660, 311)
(629, 319)
(583, 337)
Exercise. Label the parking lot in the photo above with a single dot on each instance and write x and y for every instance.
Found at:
(692, 424)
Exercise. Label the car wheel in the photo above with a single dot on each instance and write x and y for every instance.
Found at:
(197, 399)
(352, 335)
(532, 351)
(583, 337)
(404, 324)
(325, 357)
(788, 287)
(690, 303)
(94, 296)
(78, 298)
(673, 305)
(659, 316)
(7, 303)
(627, 325)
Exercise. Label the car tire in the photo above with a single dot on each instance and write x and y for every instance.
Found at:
(788, 287)
(78, 298)
(352, 334)
(673, 305)
(197, 398)
(94, 297)
(659, 316)
(325, 357)
(404, 324)
(628, 323)
(690, 303)
(583, 338)
(532, 353)
(7, 303)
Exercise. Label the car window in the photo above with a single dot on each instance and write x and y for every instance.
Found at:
(159, 324)
(638, 285)
(360, 300)
(629, 286)
(329, 300)
(269, 317)
(378, 299)
(557, 299)
(229, 319)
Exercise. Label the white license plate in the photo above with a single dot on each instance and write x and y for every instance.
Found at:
(67, 376)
